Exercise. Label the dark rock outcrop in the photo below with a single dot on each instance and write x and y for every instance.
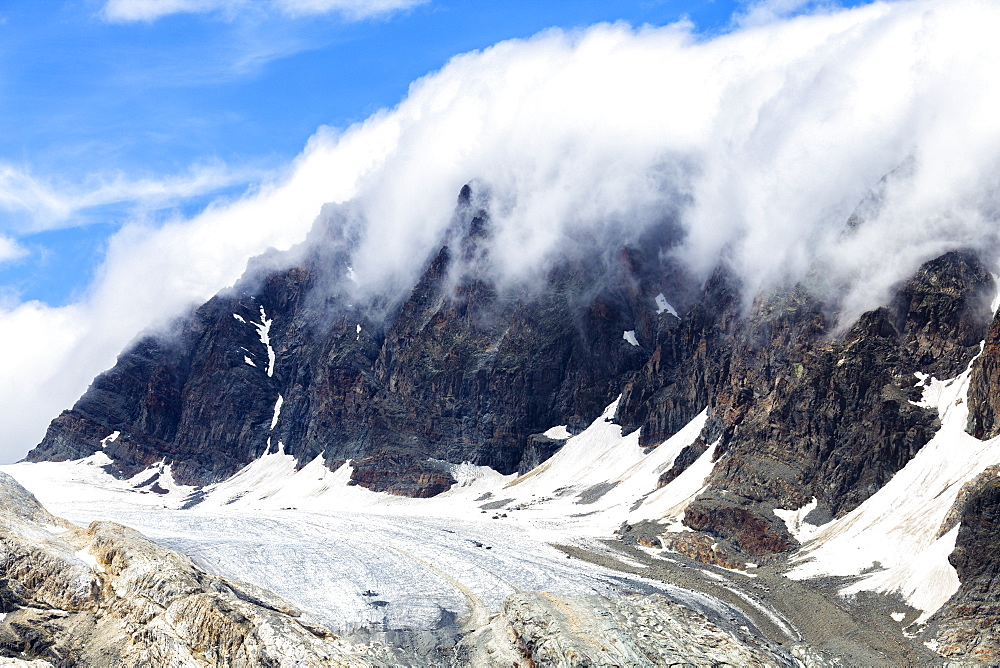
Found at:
(798, 410)
(458, 370)
(984, 387)
(968, 626)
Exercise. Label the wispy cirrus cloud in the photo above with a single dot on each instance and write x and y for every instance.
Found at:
(128, 11)
(29, 203)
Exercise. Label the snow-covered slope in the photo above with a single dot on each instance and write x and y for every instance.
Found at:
(895, 540)
(356, 558)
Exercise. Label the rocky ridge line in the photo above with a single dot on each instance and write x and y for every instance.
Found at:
(106, 595)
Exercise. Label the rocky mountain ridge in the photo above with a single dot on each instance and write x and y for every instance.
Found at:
(802, 409)
(106, 595)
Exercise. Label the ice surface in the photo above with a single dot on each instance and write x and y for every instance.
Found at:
(630, 337)
(663, 305)
(351, 557)
(895, 532)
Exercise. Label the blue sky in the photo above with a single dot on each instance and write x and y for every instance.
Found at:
(112, 118)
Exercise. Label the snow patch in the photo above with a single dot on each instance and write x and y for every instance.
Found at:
(110, 438)
(359, 333)
(898, 616)
(264, 332)
(277, 411)
(663, 305)
(467, 474)
(240, 318)
(88, 558)
(795, 520)
(560, 433)
(99, 459)
(669, 503)
(630, 337)
(246, 358)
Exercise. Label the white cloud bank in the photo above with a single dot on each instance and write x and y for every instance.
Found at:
(127, 11)
(765, 139)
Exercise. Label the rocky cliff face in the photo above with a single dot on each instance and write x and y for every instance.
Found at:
(461, 369)
(968, 625)
(458, 370)
(798, 409)
(107, 596)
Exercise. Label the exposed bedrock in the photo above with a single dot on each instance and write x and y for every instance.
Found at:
(539, 629)
(968, 626)
(456, 370)
(107, 596)
(798, 409)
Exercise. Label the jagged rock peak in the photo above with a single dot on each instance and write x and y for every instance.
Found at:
(457, 371)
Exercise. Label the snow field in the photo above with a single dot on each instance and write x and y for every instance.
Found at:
(354, 558)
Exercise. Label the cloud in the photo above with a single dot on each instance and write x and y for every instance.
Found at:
(10, 249)
(33, 204)
(761, 12)
(761, 142)
(127, 11)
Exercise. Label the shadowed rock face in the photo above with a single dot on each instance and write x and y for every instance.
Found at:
(456, 371)
(984, 387)
(107, 596)
(969, 625)
(799, 410)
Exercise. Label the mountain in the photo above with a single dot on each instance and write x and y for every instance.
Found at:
(457, 370)
(800, 419)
